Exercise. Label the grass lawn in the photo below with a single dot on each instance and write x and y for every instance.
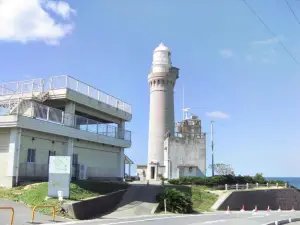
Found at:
(35, 194)
(202, 199)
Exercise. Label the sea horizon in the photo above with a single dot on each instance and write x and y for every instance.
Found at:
(294, 181)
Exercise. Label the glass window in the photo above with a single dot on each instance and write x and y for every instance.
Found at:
(31, 155)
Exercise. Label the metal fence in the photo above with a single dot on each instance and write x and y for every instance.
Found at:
(252, 186)
(42, 112)
(61, 82)
(65, 81)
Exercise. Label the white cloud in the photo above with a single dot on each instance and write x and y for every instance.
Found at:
(217, 114)
(61, 8)
(226, 53)
(268, 41)
(29, 20)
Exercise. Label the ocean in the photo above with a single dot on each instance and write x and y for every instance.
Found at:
(295, 181)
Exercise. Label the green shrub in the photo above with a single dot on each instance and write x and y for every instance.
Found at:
(177, 201)
(222, 180)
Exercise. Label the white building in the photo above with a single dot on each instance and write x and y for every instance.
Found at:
(162, 79)
(61, 116)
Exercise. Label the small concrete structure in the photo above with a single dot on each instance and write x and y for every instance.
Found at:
(61, 116)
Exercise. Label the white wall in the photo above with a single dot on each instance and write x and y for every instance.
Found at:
(102, 160)
(185, 151)
(4, 145)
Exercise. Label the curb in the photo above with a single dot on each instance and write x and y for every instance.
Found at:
(286, 221)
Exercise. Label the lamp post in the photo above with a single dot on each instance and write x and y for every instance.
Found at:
(212, 147)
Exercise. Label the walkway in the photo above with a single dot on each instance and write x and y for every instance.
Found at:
(23, 214)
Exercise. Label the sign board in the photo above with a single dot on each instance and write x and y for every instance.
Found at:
(59, 176)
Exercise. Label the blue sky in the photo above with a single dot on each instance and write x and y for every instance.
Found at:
(228, 62)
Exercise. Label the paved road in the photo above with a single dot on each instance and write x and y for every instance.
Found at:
(235, 218)
(22, 214)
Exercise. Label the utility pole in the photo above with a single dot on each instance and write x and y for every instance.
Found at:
(212, 147)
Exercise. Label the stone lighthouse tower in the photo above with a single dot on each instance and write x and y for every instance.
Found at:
(161, 78)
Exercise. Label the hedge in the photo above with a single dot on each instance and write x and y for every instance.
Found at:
(221, 180)
(176, 201)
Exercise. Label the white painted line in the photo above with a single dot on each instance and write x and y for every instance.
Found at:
(214, 221)
(153, 218)
(252, 217)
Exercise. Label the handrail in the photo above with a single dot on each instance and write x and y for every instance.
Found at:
(12, 213)
(43, 206)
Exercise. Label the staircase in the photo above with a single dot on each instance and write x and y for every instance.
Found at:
(14, 106)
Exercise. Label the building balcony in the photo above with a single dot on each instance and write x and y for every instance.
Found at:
(40, 112)
(32, 88)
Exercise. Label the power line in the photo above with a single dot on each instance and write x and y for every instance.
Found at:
(271, 32)
(292, 11)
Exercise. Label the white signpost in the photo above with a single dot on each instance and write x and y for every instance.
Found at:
(59, 177)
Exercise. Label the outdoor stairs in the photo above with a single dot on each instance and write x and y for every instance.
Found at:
(138, 200)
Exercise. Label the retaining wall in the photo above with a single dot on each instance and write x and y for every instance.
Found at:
(285, 198)
(94, 207)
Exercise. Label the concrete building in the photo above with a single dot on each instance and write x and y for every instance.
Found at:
(185, 152)
(162, 79)
(61, 116)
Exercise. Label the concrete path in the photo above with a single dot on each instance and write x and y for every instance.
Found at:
(138, 200)
(218, 218)
(23, 214)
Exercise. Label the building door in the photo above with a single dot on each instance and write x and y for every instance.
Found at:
(152, 172)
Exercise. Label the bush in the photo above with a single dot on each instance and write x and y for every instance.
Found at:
(222, 180)
(177, 201)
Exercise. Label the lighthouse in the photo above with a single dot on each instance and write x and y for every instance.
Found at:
(161, 79)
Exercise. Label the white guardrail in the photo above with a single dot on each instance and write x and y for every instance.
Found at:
(61, 82)
(251, 186)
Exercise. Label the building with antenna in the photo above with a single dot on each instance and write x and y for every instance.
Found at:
(170, 152)
(65, 117)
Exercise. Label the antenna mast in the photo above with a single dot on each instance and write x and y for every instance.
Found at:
(182, 102)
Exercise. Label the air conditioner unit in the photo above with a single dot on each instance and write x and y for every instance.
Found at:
(82, 172)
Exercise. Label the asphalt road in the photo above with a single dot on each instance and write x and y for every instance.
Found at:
(235, 218)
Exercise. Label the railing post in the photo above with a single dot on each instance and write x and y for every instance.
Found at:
(237, 186)
(32, 86)
(247, 186)
(285, 185)
(31, 111)
(48, 111)
(62, 117)
(97, 127)
(66, 81)
(276, 185)
(50, 84)
(226, 187)
(257, 185)
(87, 124)
(267, 185)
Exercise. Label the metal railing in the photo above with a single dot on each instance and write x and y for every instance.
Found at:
(62, 82)
(252, 186)
(22, 87)
(42, 112)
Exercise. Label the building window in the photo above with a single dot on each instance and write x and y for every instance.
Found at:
(75, 159)
(51, 153)
(31, 155)
(190, 169)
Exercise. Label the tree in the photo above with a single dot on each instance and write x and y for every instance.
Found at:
(259, 178)
(222, 169)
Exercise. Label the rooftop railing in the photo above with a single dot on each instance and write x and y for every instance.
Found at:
(42, 112)
(61, 82)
